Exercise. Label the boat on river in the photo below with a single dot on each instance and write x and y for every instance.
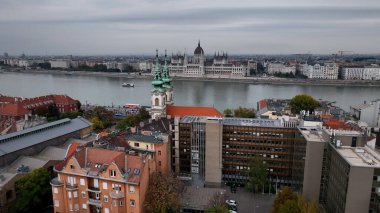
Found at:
(128, 85)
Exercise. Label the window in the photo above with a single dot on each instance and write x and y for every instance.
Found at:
(137, 144)
(112, 173)
(97, 196)
(81, 182)
(131, 189)
(159, 153)
(159, 163)
(105, 198)
(156, 102)
(116, 187)
(106, 210)
(83, 194)
(72, 166)
(105, 186)
(69, 194)
(9, 194)
(56, 203)
(121, 203)
(75, 194)
(114, 203)
(84, 206)
(132, 202)
(76, 207)
(55, 190)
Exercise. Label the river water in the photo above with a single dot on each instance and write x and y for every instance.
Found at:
(108, 90)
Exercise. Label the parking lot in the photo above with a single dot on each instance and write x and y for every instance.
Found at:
(251, 203)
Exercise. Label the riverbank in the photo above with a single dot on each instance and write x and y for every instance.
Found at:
(247, 80)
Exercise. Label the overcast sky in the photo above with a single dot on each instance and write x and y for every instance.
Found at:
(81, 27)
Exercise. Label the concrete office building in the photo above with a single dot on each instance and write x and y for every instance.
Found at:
(230, 143)
(335, 169)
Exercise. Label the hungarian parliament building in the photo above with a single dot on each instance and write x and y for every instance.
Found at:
(200, 66)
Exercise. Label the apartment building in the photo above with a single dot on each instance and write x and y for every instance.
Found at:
(361, 73)
(101, 180)
(368, 112)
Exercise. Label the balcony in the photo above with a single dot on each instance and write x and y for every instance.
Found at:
(70, 186)
(95, 202)
(56, 182)
(117, 194)
(93, 189)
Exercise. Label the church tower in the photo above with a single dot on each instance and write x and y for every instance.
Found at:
(167, 85)
(158, 97)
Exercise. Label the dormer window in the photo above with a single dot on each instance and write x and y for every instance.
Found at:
(112, 173)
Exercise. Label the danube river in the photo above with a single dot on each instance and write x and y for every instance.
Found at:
(94, 89)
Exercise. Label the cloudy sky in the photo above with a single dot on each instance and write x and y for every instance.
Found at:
(124, 27)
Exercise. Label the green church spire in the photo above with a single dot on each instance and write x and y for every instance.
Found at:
(165, 75)
(157, 80)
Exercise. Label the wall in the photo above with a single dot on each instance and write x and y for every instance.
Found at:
(213, 158)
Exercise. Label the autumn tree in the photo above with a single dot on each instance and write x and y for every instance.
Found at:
(163, 194)
(288, 202)
(258, 174)
(33, 191)
(97, 124)
(303, 102)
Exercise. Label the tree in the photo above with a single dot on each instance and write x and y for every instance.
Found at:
(163, 194)
(290, 206)
(97, 124)
(102, 114)
(143, 114)
(303, 102)
(243, 112)
(70, 115)
(79, 105)
(33, 191)
(217, 204)
(227, 112)
(285, 194)
(258, 174)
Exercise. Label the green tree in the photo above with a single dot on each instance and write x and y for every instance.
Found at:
(79, 105)
(218, 209)
(97, 124)
(70, 115)
(227, 112)
(143, 114)
(243, 112)
(33, 191)
(303, 102)
(163, 194)
(258, 174)
(103, 115)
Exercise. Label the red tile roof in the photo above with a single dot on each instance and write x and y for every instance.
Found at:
(72, 149)
(182, 111)
(336, 124)
(63, 99)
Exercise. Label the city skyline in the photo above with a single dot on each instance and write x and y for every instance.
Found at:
(249, 27)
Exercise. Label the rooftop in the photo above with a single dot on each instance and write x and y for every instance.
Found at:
(312, 134)
(19, 140)
(144, 138)
(360, 156)
(182, 111)
(252, 122)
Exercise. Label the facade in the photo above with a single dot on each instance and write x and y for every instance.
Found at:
(17, 108)
(281, 68)
(318, 71)
(62, 64)
(367, 112)
(331, 168)
(198, 65)
(230, 144)
(100, 180)
(361, 73)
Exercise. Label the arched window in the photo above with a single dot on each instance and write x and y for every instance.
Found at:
(156, 102)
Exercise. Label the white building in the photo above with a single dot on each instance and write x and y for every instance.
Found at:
(198, 65)
(278, 67)
(361, 73)
(326, 71)
(63, 64)
(367, 112)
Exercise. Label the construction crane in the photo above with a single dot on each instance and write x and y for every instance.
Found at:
(342, 52)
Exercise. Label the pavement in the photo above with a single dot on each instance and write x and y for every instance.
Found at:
(248, 202)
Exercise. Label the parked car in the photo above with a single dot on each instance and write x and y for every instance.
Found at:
(231, 202)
